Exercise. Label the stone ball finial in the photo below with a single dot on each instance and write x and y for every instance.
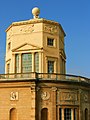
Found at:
(36, 12)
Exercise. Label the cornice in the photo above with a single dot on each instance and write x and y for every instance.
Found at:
(34, 21)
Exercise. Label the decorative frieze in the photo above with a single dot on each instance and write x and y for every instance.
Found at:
(69, 96)
(27, 29)
(51, 29)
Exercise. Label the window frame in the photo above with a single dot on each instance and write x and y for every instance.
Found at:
(50, 42)
(9, 46)
(23, 68)
(51, 62)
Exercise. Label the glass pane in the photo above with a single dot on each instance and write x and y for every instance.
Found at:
(50, 66)
(26, 63)
(67, 114)
(36, 62)
(50, 41)
(17, 63)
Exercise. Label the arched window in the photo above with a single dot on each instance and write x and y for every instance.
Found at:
(13, 114)
(86, 114)
(44, 114)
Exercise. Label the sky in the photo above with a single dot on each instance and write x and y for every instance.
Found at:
(73, 15)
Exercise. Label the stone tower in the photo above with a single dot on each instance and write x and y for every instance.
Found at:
(35, 45)
(36, 86)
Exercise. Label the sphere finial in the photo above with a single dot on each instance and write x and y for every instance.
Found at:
(36, 12)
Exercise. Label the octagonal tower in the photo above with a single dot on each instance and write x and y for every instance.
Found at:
(35, 45)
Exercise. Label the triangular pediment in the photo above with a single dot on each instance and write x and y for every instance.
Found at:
(26, 47)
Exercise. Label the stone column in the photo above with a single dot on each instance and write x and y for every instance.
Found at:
(40, 62)
(13, 64)
(60, 64)
(72, 114)
(62, 113)
(33, 63)
(54, 103)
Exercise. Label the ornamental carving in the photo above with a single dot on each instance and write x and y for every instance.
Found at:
(45, 95)
(85, 96)
(27, 29)
(14, 96)
(51, 29)
(69, 96)
(53, 89)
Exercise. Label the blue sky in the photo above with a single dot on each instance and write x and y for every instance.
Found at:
(73, 15)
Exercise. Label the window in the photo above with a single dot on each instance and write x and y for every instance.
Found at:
(36, 62)
(9, 45)
(67, 114)
(44, 114)
(13, 114)
(86, 114)
(50, 41)
(17, 63)
(75, 113)
(26, 62)
(8, 68)
(50, 66)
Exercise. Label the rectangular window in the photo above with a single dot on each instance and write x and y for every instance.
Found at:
(60, 113)
(50, 66)
(67, 114)
(8, 68)
(36, 62)
(17, 63)
(75, 113)
(50, 41)
(26, 63)
(9, 45)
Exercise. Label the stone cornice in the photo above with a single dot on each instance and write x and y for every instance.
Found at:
(34, 21)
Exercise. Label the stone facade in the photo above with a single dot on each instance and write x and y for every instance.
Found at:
(44, 99)
(32, 37)
(35, 86)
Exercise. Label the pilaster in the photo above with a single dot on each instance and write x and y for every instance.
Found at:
(54, 89)
(33, 62)
(33, 102)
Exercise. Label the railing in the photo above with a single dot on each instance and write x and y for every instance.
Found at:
(44, 76)
(31, 75)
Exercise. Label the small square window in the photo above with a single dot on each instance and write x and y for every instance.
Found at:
(50, 41)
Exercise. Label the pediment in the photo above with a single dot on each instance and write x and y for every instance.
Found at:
(26, 47)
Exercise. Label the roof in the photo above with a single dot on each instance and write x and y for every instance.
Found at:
(34, 21)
